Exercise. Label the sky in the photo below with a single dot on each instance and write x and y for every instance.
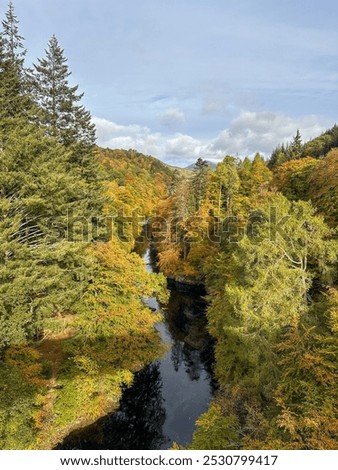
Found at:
(182, 79)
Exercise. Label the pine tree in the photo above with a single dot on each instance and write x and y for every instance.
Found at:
(16, 105)
(295, 149)
(61, 114)
(40, 271)
(38, 187)
(290, 151)
(12, 40)
(263, 287)
(199, 181)
(278, 156)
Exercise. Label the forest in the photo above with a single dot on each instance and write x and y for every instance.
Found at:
(260, 236)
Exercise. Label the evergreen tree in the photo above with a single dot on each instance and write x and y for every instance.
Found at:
(176, 178)
(322, 144)
(278, 156)
(307, 390)
(200, 180)
(61, 114)
(38, 189)
(290, 151)
(12, 41)
(41, 273)
(245, 176)
(16, 105)
(295, 149)
(262, 288)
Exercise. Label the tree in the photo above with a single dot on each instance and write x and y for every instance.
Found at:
(278, 156)
(68, 307)
(321, 145)
(228, 183)
(40, 271)
(61, 114)
(260, 173)
(295, 149)
(290, 151)
(262, 287)
(323, 184)
(200, 181)
(244, 173)
(292, 178)
(16, 105)
(12, 40)
(253, 175)
(306, 394)
(185, 203)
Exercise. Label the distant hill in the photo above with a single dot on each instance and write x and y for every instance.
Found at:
(211, 165)
(177, 170)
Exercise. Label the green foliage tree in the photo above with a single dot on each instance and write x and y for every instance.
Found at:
(61, 114)
(323, 184)
(306, 394)
(244, 173)
(215, 430)
(199, 181)
(315, 148)
(295, 149)
(267, 283)
(321, 145)
(16, 106)
(278, 156)
(292, 178)
(53, 283)
(228, 183)
(12, 40)
(21, 379)
(37, 263)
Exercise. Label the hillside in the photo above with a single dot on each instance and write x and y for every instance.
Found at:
(317, 147)
(136, 180)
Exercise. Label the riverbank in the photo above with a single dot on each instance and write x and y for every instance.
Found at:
(169, 394)
(184, 284)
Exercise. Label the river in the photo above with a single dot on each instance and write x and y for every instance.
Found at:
(168, 395)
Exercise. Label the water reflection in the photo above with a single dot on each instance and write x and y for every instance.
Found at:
(138, 424)
(168, 396)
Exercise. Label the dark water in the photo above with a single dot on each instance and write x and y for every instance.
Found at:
(167, 396)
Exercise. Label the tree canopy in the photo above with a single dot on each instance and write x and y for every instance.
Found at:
(73, 327)
(261, 236)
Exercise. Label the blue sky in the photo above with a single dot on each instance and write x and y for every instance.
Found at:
(180, 79)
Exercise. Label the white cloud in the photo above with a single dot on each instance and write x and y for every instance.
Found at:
(133, 136)
(251, 132)
(182, 145)
(247, 134)
(107, 129)
(172, 118)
